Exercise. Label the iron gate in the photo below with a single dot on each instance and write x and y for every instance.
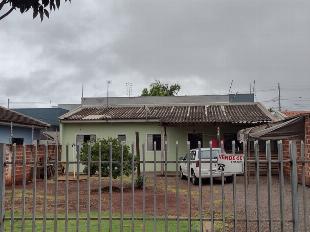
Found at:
(85, 202)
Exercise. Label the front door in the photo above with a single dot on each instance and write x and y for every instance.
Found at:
(193, 139)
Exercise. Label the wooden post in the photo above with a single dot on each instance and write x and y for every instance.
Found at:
(138, 153)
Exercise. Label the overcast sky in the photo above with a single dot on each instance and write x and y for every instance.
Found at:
(202, 45)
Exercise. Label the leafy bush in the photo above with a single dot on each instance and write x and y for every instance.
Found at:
(139, 182)
(105, 156)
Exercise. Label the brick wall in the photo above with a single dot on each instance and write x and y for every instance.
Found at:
(30, 152)
(286, 154)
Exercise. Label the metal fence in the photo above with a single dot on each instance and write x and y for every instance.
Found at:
(165, 202)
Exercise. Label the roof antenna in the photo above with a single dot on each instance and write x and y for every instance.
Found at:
(231, 83)
(254, 89)
(129, 88)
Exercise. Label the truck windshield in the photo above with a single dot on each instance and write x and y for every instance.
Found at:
(205, 154)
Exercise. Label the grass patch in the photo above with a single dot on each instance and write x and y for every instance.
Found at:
(138, 224)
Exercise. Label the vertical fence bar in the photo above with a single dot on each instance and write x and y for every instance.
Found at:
(56, 188)
(133, 189)
(223, 201)
(177, 185)
(211, 187)
(245, 156)
(13, 187)
(67, 189)
(110, 186)
(122, 189)
(23, 190)
(155, 190)
(45, 188)
(166, 188)
(303, 182)
(143, 194)
(99, 187)
(234, 199)
(281, 179)
(268, 154)
(294, 183)
(234, 188)
(88, 187)
(189, 195)
(256, 148)
(200, 188)
(222, 191)
(2, 185)
(34, 186)
(78, 158)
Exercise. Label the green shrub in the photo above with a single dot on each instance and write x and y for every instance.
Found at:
(139, 182)
(105, 156)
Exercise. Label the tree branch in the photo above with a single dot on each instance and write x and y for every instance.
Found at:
(7, 13)
(3, 3)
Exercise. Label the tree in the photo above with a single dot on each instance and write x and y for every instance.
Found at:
(39, 7)
(105, 156)
(161, 89)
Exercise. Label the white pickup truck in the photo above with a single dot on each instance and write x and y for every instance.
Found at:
(229, 164)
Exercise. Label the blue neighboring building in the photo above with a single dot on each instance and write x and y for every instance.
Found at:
(18, 128)
(48, 115)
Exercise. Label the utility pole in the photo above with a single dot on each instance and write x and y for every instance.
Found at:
(108, 83)
(279, 97)
(82, 91)
(8, 103)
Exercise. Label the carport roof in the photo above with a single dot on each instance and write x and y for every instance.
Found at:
(10, 116)
(291, 128)
(250, 113)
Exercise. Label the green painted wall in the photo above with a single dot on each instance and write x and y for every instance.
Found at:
(69, 131)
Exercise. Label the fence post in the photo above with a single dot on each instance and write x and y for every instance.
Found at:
(294, 182)
(2, 185)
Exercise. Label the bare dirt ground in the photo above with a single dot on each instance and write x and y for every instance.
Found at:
(171, 200)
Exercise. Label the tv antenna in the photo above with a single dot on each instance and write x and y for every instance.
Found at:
(129, 89)
(231, 83)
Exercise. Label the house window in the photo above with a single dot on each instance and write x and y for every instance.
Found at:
(18, 141)
(151, 138)
(121, 138)
(81, 139)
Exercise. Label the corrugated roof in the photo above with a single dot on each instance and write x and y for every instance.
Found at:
(8, 116)
(219, 113)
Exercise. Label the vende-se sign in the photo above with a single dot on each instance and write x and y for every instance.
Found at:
(230, 163)
(231, 157)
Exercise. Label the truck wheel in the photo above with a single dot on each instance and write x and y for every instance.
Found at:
(229, 179)
(194, 179)
(181, 175)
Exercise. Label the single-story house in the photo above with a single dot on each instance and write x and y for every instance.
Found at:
(153, 123)
(18, 128)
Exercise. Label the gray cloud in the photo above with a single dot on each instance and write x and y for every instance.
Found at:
(200, 44)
